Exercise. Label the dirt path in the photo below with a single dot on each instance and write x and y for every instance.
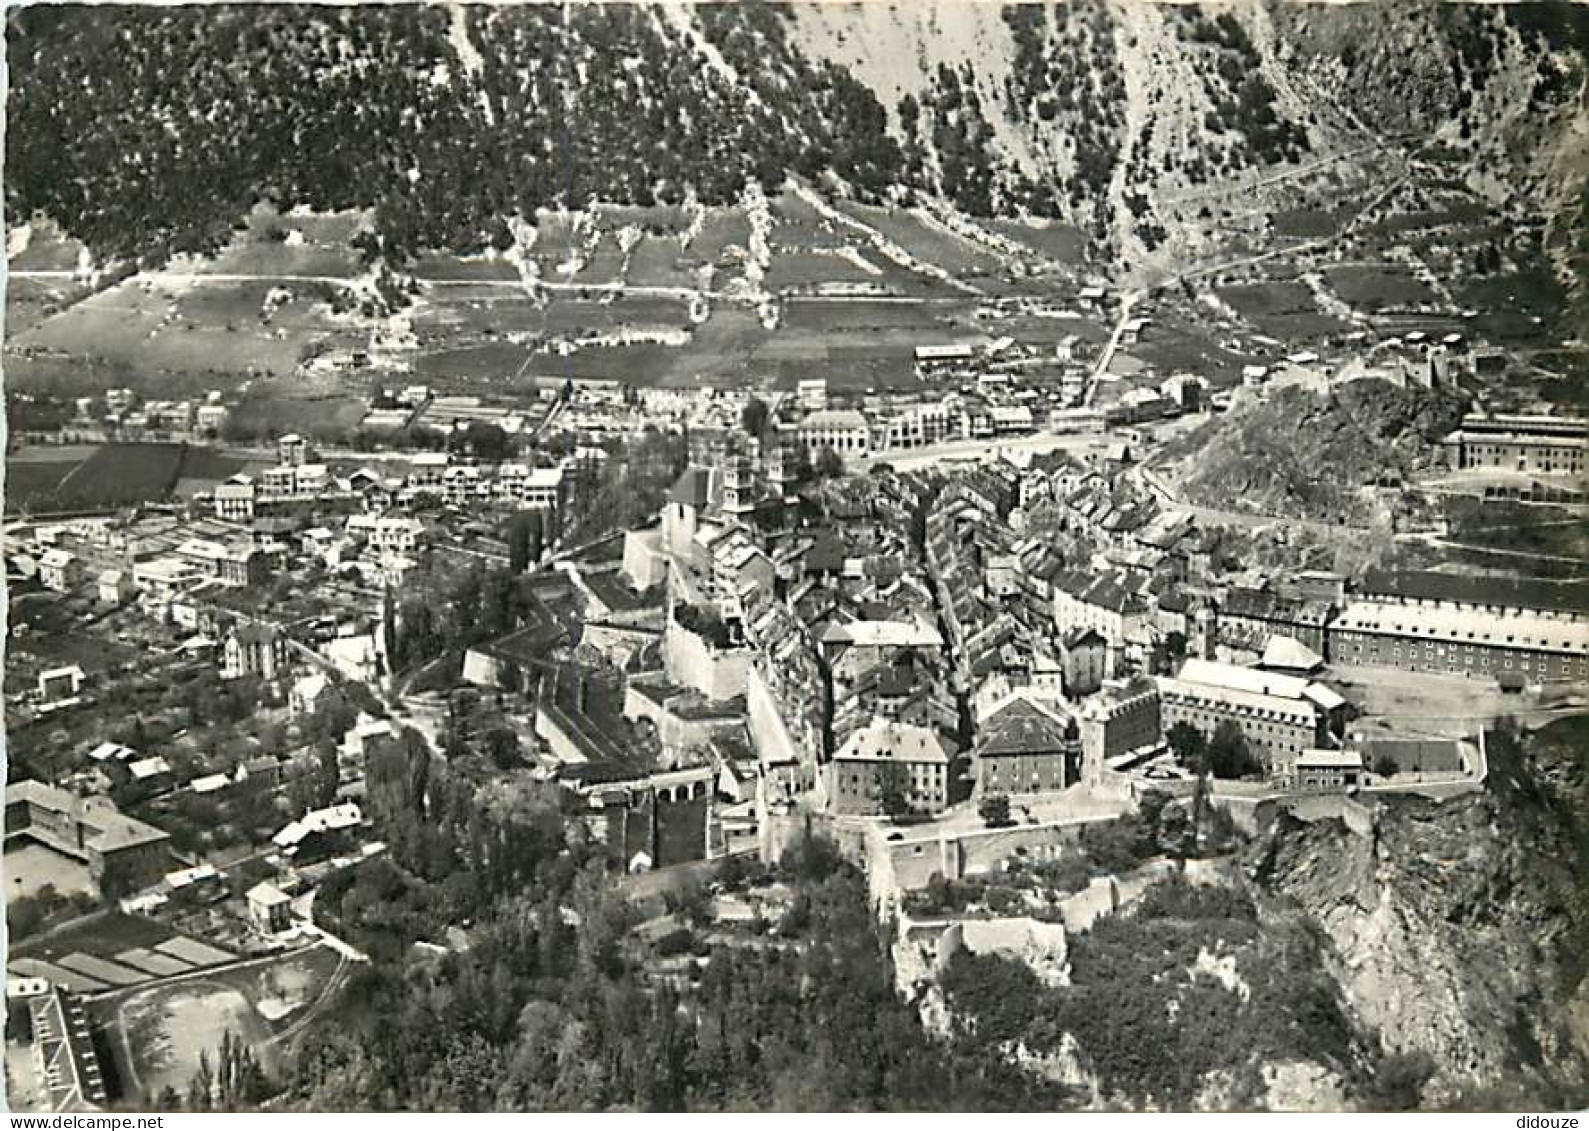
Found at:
(1127, 300)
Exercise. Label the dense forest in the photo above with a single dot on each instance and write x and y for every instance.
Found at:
(555, 1002)
(149, 131)
(553, 1006)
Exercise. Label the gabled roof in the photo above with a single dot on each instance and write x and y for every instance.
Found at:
(899, 742)
(884, 634)
(826, 554)
(1083, 637)
(1290, 654)
(1023, 727)
(693, 488)
(1520, 593)
(1234, 677)
(335, 817)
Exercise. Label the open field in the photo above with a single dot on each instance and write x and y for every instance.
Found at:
(102, 935)
(1301, 327)
(926, 241)
(168, 1028)
(811, 270)
(1463, 212)
(217, 327)
(1181, 345)
(1054, 239)
(45, 248)
(1282, 310)
(798, 226)
(640, 364)
(29, 301)
(1416, 703)
(433, 266)
(137, 965)
(1529, 293)
(295, 244)
(1371, 286)
(30, 865)
(488, 361)
(42, 648)
(265, 258)
(203, 325)
(110, 475)
(157, 1034)
(1304, 223)
(660, 261)
(27, 479)
(721, 229)
(1269, 297)
(1518, 528)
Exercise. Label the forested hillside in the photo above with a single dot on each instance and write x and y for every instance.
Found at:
(149, 131)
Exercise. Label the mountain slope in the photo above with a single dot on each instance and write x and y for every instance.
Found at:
(148, 131)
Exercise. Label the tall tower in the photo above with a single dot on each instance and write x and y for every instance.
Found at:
(1201, 643)
(739, 488)
(782, 470)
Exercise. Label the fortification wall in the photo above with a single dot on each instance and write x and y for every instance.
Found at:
(768, 733)
(691, 662)
(1328, 806)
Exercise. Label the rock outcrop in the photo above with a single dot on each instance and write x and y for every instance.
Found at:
(1450, 936)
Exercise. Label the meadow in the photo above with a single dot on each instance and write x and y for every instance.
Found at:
(1304, 223)
(1373, 287)
(109, 475)
(1053, 239)
(926, 241)
(92, 477)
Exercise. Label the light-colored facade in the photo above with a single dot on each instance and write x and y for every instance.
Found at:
(859, 771)
(847, 432)
(1550, 445)
(1280, 716)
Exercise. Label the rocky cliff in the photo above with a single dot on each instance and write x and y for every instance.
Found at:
(1455, 931)
(1313, 454)
(1392, 952)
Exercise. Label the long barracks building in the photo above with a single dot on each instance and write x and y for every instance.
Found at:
(1549, 444)
(1482, 627)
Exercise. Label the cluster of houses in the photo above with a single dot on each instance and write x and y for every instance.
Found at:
(84, 816)
(297, 484)
(993, 406)
(895, 642)
(908, 639)
(251, 528)
(123, 413)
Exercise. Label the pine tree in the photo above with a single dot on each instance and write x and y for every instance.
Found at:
(201, 1088)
